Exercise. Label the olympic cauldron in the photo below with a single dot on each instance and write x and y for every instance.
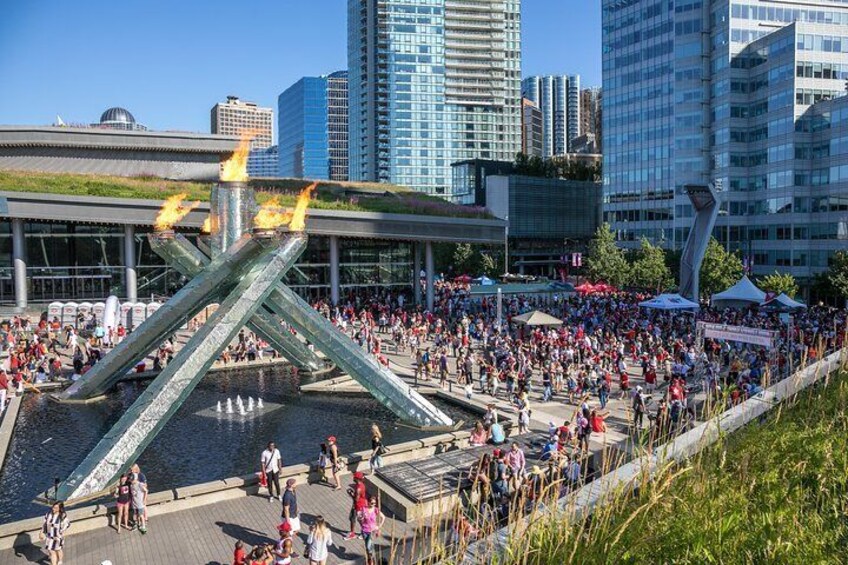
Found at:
(250, 253)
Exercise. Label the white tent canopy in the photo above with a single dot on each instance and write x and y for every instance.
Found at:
(669, 302)
(537, 318)
(744, 293)
(783, 303)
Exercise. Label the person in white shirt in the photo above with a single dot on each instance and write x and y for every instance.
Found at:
(319, 539)
(271, 462)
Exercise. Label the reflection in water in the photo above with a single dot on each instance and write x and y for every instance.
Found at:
(51, 439)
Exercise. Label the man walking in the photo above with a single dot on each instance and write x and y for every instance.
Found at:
(290, 513)
(639, 408)
(270, 464)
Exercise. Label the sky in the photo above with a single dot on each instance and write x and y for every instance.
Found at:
(170, 61)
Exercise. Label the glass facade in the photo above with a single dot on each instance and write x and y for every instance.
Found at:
(558, 98)
(69, 261)
(312, 126)
(431, 82)
(734, 93)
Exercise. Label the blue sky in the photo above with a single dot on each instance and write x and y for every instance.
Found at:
(169, 62)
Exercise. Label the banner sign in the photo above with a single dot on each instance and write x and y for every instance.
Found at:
(739, 333)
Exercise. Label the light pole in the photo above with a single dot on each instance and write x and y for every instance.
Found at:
(506, 245)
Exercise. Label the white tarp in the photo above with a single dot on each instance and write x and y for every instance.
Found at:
(743, 293)
(669, 302)
(742, 334)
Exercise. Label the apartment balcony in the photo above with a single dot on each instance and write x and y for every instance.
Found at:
(468, 6)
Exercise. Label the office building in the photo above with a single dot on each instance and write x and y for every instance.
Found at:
(337, 125)
(531, 128)
(263, 162)
(312, 126)
(558, 97)
(238, 117)
(469, 178)
(432, 82)
(548, 218)
(756, 120)
(590, 115)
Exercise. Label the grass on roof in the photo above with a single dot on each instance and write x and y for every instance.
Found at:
(346, 196)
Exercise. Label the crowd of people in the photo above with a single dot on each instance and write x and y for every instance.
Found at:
(603, 340)
(587, 361)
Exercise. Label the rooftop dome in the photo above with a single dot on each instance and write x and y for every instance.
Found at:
(116, 114)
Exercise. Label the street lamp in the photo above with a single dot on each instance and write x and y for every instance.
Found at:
(506, 245)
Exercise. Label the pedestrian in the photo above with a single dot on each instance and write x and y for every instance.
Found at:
(377, 448)
(290, 513)
(335, 461)
(53, 530)
(138, 491)
(358, 501)
(262, 555)
(239, 555)
(371, 519)
(523, 418)
(122, 502)
(270, 462)
(318, 542)
(639, 408)
(323, 463)
(500, 485)
(283, 552)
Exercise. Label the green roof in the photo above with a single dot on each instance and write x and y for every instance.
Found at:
(347, 196)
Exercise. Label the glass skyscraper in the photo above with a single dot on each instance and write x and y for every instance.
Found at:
(558, 97)
(432, 82)
(731, 92)
(312, 126)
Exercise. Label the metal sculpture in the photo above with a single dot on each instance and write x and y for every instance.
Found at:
(244, 274)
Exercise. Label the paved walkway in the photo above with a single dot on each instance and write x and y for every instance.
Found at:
(207, 534)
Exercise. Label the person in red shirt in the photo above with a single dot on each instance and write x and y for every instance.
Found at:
(239, 555)
(359, 498)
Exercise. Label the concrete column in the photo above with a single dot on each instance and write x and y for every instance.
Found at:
(334, 269)
(129, 264)
(19, 262)
(430, 268)
(416, 275)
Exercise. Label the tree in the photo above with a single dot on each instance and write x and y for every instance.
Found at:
(464, 259)
(780, 282)
(605, 261)
(649, 270)
(837, 274)
(488, 266)
(719, 270)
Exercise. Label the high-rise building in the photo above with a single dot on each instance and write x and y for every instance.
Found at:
(312, 126)
(734, 93)
(531, 128)
(337, 125)
(237, 117)
(558, 97)
(590, 114)
(432, 82)
(263, 162)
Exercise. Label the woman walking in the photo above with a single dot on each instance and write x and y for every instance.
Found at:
(377, 449)
(53, 530)
(318, 542)
(335, 461)
(123, 495)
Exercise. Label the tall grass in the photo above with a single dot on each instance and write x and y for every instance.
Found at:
(774, 492)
